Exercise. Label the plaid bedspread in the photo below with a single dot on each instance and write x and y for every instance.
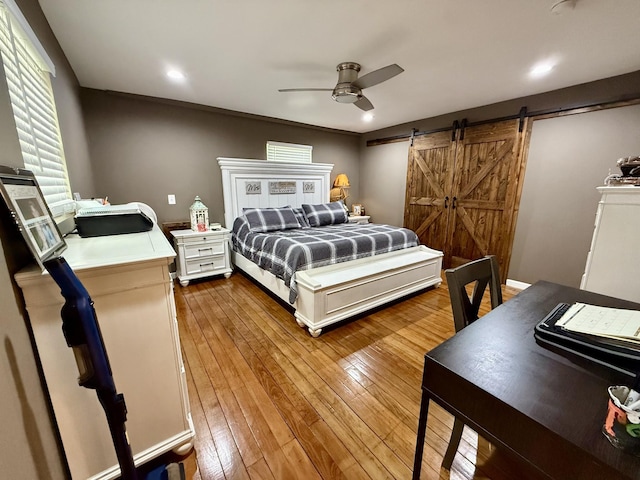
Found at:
(284, 252)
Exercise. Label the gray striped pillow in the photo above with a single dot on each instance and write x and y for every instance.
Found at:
(301, 216)
(325, 214)
(270, 219)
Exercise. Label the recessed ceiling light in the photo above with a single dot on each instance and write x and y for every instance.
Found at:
(367, 117)
(541, 69)
(175, 75)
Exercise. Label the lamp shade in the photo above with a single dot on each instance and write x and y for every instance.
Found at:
(341, 181)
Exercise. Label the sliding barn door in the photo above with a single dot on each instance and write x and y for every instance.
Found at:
(485, 193)
(462, 196)
(429, 183)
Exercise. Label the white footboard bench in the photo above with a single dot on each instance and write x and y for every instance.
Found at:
(327, 295)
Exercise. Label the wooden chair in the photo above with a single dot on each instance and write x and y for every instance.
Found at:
(484, 273)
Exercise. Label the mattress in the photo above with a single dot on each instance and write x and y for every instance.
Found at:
(284, 252)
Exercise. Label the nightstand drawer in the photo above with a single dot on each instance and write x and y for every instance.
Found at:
(201, 237)
(202, 265)
(203, 249)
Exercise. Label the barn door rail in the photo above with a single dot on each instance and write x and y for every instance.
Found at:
(521, 115)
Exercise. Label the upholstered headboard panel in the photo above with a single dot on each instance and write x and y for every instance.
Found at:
(261, 184)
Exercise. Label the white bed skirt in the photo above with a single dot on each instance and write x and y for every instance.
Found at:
(327, 295)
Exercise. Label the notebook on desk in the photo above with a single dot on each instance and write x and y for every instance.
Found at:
(607, 336)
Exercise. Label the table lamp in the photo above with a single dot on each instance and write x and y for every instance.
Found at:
(340, 190)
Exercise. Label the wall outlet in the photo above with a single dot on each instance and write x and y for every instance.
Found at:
(171, 199)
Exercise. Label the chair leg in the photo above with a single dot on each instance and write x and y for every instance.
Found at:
(422, 430)
(454, 441)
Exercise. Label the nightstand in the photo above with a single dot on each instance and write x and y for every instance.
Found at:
(202, 254)
(359, 218)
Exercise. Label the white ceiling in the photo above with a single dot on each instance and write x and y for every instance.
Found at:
(236, 54)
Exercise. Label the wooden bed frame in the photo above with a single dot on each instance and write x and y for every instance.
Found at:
(326, 295)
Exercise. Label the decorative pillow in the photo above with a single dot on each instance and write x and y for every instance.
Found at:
(270, 219)
(325, 214)
(301, 217)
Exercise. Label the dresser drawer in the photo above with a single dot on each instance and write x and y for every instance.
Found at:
(196, 250)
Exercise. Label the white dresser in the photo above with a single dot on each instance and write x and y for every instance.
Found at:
(613, 266)
(127, 277)
(202, 254)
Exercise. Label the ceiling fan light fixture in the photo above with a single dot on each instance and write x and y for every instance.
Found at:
(349, 87)
(346, 93)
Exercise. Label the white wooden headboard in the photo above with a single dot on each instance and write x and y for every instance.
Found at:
(261, 184)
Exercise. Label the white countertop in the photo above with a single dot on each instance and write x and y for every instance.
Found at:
(94, 252)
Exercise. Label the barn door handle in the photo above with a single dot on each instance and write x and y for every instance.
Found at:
(453, 205)
(446, 202)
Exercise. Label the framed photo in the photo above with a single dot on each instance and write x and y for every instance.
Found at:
(357, 209)
(22, 195)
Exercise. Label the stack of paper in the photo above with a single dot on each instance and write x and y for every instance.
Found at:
(602, 321)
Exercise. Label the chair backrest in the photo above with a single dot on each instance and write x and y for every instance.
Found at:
(484, 272)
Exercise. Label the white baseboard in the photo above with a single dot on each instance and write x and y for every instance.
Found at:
(517, 284)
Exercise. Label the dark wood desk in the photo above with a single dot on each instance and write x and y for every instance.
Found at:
(547, 408)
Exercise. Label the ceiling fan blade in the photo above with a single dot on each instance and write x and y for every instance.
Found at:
(364, 104)
(378, 76)
(306, 90)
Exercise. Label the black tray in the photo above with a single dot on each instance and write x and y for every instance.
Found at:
(617, 354)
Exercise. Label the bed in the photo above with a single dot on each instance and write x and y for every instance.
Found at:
(321, 292)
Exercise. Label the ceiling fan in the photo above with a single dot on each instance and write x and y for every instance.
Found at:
(349, 87)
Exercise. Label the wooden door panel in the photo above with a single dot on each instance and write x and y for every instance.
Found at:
(487, 182)
(487, 168)
(474, 232)
(429, 180)
(462, 195)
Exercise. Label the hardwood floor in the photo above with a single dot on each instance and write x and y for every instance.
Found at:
(270, 402)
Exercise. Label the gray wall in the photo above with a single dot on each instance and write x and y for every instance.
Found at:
(28, 443)
(568, 158)
(383, 169)
(383, 175)
(143, 149)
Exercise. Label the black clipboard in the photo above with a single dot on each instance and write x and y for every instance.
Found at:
(616, 354)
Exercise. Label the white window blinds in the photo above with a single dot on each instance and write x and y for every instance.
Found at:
(34, 111)
(288, 152)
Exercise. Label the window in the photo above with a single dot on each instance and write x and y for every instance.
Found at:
(288, 152)
(27, 68)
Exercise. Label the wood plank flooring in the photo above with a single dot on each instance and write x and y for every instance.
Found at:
(270, 402)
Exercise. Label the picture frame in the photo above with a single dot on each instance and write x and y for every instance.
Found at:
(21, 193)
(357, 209)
